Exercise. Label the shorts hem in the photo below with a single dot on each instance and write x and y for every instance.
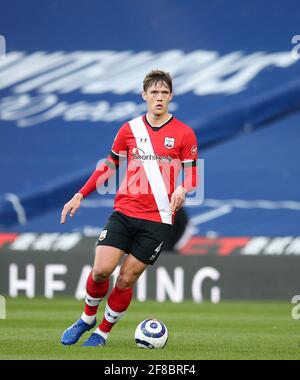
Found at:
(113, 245)
(141, 260)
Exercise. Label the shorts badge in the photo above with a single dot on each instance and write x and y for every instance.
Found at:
(102, 235)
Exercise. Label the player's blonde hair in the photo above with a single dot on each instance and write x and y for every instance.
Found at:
(156, 76)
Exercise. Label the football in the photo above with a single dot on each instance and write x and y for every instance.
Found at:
(151, 333)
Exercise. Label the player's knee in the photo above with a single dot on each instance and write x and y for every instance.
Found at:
(100, 275)
(125, 280)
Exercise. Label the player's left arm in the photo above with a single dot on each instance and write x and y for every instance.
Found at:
(189, 157)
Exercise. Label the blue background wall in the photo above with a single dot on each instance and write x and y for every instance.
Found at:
(243, 102)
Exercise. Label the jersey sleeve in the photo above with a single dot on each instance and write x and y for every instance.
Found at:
(103, 172)
(119, 146)
(189, 149)
(189, 156)
(107, 168)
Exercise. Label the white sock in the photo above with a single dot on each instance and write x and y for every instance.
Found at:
(91, 301)
(88, 318)
(102, 333)
(111, 315)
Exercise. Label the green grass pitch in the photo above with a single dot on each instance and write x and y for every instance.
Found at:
(228, 330)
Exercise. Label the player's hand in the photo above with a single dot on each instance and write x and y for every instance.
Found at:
(71, 207)
(177, 199)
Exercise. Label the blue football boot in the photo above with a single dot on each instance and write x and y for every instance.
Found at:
(74, 332)
(94, 341)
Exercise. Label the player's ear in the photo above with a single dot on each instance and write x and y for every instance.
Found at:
(171, 96)
(144, 96)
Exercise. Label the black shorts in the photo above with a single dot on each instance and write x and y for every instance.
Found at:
(144, 239)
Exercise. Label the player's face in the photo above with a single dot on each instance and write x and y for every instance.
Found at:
(158, 97)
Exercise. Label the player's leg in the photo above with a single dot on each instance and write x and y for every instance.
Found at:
(118, 300)
(106, 260)
(120, 296)
(145, 239)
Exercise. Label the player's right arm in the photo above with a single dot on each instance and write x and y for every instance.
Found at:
(102, 173)
(71, 207)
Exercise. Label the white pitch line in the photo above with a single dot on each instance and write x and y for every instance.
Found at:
(206, 216)
(240, 203)
(16, 204)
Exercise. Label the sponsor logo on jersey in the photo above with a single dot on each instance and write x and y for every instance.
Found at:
(102, 235)
(139, 154)
(169, 142)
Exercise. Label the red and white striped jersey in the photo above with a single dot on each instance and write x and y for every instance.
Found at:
(154, 159)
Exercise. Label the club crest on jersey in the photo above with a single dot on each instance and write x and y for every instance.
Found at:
(169, 142)
(102, 235)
